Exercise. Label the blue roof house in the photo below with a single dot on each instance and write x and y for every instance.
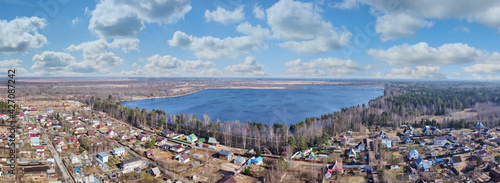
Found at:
(103, 156)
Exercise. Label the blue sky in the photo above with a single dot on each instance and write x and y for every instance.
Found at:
(421, 39)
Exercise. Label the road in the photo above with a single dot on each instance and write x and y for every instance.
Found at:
(67, 178)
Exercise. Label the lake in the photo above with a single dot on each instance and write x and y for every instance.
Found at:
(263, 105)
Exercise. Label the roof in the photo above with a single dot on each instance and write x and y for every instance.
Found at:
(456, 159)
(40, 147)
(225, 152)
(156, 170)
(337, 166)
(103, 154)
(193, 136)
(134, 159)
(185, 156)
(257, 160)
(313, 155)
(481, 152)
(212, 140)
(118, 149)
(440, 138)
(228, 179)
(239, 159)
(34, 139)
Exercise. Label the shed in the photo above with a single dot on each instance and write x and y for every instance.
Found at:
(239, 160)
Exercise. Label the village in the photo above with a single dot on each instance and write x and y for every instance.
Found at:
(67, 141)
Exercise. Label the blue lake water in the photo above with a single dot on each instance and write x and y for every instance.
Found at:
(263, 105)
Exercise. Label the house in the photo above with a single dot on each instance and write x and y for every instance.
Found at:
(40, 149)
(192, 138)
(143, 138)
(441, 140)
(394, 166)
(91, 179)
(103, 156)
(361, 146)
(408, 140)
(256, 161)
(481, 153)
(486, 131)
(225, 155)
(74, 159)
(60, 143)
(184, 158)
(422, 164)
(413, 155)
(456, 160)
(382, 135)
(331, 169)
(34, 141)
(343, 140)
(348, 134)
(312, 157)
(479, 125)
(177, 148)
(212, 141)
(352, 153)
(228, 179)
(155, 172)
(119, 151)
(167, 133)
(387, 143)
(434, 153)
(123, 136)
(408, 131)
(111, 132)
(239, 161)
(494, 176)
(148, 153)
(131, 164)
(426, 130)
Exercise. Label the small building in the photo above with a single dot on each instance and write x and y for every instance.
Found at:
(225, 155)
(90, 132)
(74, 159)
(387, 143)
(184, 158)
(481, 153)
(148, 153)
(479, 125)
(34, 141)
(394, 166)
(176, 148)
(441, 140)
(192, 138)
(361, 146)
(413, 155)
(131, 164)
(352, 153)
(257, 161)
(167, 133)
(213, 141)
(119, 151)
(456, 160)
(348, 134)
(312, 157)
(155, 172)
(111, 132)
(239, 161)
(40, 149)
(228, 179)
(494, 175)
(422, 164)
(103, 156)
(382, 135)
(434, 153)
(408, 140)
(331, 169)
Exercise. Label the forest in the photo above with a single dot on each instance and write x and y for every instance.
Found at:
(402, 103)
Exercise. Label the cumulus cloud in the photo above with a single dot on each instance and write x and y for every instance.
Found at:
(483, 68)
(322, 67)
(303, 28)
(21, 34)
(96, 52)
(393, 26)
(11, 62)
(224, 16)
(209, 47)
(420, 72)
(249, 67)
(461, 28)
(116, 18)
(484, 12)
(422, 54)
(75, 21)
(455, 73)
(171, 66)
(259, 12)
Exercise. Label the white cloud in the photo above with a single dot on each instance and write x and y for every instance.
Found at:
(209, 47)
(259, 12)
(96, 52)
(249, 67)
(12, 62)
(75, 21)
(170, 66)
(483, 68)
(420, 72)
(303, 27)
(21, 34)
(422, 54)
(475, 76)
(116, 18)
(461, 28)
(485, 12)
(322, 67)
(393, 26)
(455, 73)
(224, 16)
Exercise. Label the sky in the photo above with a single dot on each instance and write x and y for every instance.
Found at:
(403, 39)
